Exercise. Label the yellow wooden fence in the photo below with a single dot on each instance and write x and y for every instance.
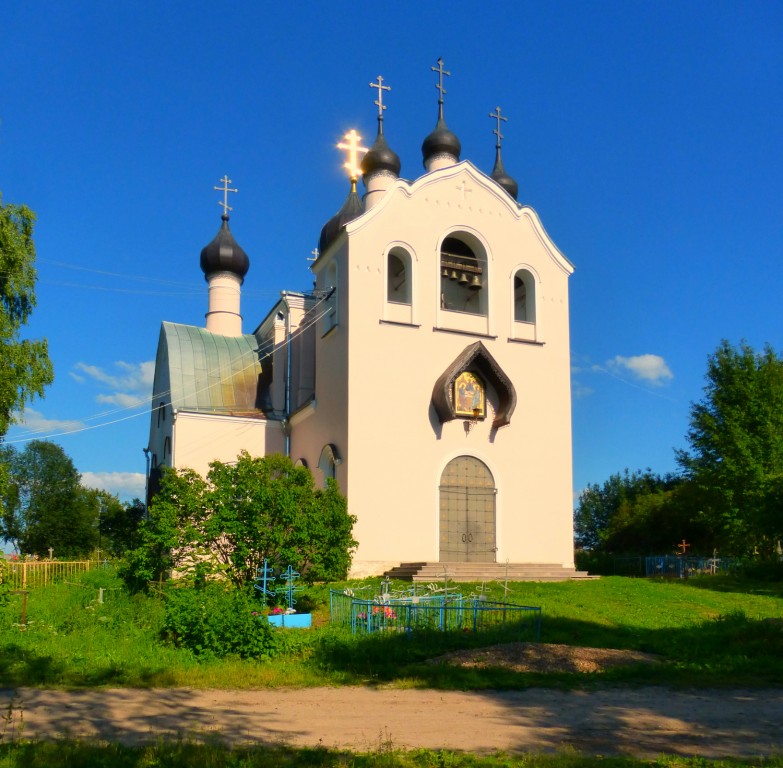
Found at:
(28, 574)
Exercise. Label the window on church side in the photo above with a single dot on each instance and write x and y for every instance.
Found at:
(166, 448)
(524, 297)
(330, 310)
(398, 276)
(327, 462)
(463, 278)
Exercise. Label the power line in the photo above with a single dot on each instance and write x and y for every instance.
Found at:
(262, 353)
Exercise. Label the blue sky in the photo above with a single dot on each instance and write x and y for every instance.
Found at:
(647, 136)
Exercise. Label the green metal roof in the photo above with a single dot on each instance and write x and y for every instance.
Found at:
(209, 372)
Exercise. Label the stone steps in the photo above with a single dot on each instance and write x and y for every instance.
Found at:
(475, 572)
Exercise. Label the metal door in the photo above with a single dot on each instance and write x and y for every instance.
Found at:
(467, 512)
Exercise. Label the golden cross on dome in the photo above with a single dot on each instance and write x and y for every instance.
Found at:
(353, 148)
(497, 116)
(225, 190)
(379, 101)
(439, 69)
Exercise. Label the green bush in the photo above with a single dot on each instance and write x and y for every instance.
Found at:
(217, 620)
(762, 569)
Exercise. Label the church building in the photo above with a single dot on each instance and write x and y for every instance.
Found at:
(427, 372)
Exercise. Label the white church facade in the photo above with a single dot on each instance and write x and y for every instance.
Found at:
(428, 372)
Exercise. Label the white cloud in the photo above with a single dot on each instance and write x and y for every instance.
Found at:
(579, 390)
(127, 485)
(131, 383)
(122, 399)
(34, 421)
(650, 368)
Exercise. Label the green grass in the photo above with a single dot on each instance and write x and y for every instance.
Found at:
(188, 755)
(708, 632)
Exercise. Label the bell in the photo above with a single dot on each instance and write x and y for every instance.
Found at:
(463, 279)
(453, 275)
(445, 272)
(475, 284)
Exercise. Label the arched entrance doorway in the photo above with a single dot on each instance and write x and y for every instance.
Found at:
(467, 512)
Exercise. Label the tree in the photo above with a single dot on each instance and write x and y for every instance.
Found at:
(735, 453)
(25, 368)
(611, 517)
(242, 513)
(119, 524)
(45, 505)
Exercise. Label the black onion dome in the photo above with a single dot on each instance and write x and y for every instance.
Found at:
(380, 157)
(352, 207)
(502, 178)
(224, 254)
(441, 142)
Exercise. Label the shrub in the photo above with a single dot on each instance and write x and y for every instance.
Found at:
(217, 620)
(762, 569)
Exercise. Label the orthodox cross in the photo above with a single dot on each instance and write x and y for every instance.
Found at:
(352, 148)
(497, 116)
(264, 576)
(379, 101)
(446, 573)
(505, 586)
(682, 547)
(439, 69)
(315, 252)
(290, 576)
(463, 187)
(225, 190)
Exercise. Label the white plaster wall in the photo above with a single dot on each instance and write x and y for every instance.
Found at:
(223, 315)
(396, 449)
(202, 438)
(328, 422)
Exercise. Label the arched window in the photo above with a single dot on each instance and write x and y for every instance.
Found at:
(328, 462)
(524, 297)
(463, 276)
(166, 448)
(398, 276)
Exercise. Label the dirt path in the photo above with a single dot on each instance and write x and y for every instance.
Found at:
(644, 722)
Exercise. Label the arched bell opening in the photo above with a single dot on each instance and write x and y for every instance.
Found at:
(463, 275)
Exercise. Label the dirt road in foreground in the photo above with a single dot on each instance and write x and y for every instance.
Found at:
(644, 722)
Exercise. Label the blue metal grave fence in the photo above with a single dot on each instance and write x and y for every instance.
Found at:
(682, 566)
(437, 612)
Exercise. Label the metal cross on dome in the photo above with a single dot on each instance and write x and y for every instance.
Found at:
(353, 147)
(497, 116)
(439, 69)
(225, 190)
(379, 101)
